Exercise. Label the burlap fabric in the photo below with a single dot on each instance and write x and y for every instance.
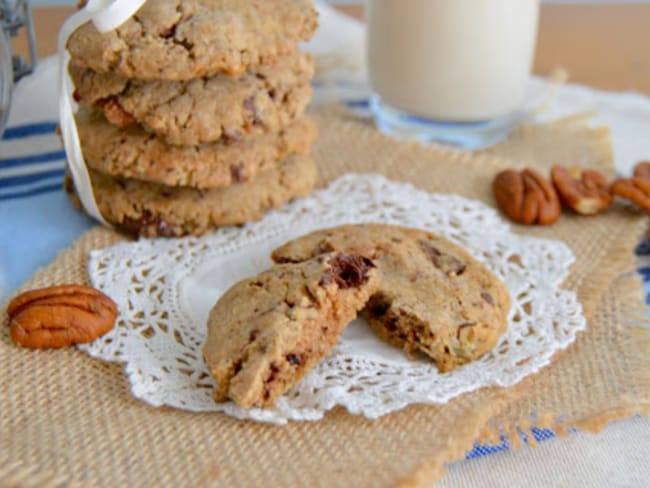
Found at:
(68, 419)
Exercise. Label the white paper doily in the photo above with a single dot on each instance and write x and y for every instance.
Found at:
(165, 289)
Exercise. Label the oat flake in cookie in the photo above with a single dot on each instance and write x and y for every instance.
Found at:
(432, 297)
(268, 331)
(180, 40)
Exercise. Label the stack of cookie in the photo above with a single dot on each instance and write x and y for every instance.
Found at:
(191, 113)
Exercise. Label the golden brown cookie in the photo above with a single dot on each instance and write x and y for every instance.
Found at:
(145, 209)
(133, 153)
(268, 331)
(180, 40)
(265, 99)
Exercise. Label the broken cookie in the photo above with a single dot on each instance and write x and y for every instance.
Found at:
(267, 332)
(432, 296)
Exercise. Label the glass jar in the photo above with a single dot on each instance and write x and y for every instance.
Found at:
(14, 16)
(6, 80)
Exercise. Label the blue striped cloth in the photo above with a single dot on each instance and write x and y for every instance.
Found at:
(36, 218)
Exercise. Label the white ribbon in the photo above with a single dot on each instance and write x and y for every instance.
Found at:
(106, 15)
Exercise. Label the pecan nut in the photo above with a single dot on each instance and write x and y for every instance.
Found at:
(637, 190)
(526, 197)
(585, 192)
(642, 170)
(116, 115)
(60, 316)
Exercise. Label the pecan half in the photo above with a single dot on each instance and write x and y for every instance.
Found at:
(60, 316)
(642, 170)
(637, 190)
(526, 197)
(116, 115)
(586, 192)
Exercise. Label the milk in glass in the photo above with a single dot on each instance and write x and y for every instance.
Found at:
(450, 70)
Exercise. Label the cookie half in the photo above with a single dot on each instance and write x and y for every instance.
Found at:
(202, 110)
(133, 153)
(267, 332)
(180, 40)
(432, 296)
(145, 209)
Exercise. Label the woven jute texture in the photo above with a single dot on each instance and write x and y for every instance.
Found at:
(68, 419)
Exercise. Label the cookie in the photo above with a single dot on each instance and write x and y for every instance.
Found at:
(267, 332)
(432, 297)
(265, 99)
(145, 209)
(133, 153)
(180, 40)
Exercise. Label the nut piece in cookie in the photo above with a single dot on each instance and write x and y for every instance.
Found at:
(60, 316)
(526, 197)
(586, 192)
(267, 332)
(431, 297)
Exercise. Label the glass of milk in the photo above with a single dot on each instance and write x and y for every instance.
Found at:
(450, 71)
